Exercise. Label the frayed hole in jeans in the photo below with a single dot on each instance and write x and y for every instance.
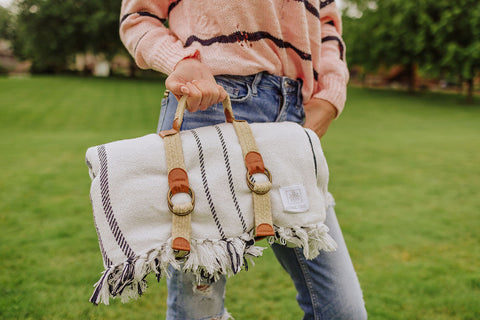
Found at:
(203, 289)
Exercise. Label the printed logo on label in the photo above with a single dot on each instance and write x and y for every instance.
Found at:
(294, 199)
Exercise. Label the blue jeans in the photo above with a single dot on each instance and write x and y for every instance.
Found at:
(327, 286)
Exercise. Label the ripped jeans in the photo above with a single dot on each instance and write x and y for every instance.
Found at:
(327, 286)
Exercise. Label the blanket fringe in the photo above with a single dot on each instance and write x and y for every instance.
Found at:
(208, 259)
(312, 239)
(226, 316)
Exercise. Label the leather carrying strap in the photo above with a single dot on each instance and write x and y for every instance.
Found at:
(178, 178)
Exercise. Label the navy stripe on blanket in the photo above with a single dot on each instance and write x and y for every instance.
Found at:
(205, 184)
(107, 206)
(313, 152)
(106, 261)
(241, 36)
(230, 178)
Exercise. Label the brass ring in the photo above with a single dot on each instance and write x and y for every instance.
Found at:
(170, 204)
(251, 185)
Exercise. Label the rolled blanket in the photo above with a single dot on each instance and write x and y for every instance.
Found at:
(129, 199)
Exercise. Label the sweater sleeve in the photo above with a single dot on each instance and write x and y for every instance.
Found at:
(333, 72)
(142, 31)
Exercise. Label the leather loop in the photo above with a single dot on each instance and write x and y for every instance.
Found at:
(254, 163)
(175, 125)
(264, 230)
(178, 181)
(181, 244)
(166, 133)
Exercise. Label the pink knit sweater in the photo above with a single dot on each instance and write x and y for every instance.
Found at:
(299, 39)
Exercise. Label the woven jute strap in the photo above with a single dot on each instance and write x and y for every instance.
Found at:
(178, 179)
(260, 190)
(178, 182)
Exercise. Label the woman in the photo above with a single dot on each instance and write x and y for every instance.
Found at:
(278, 60)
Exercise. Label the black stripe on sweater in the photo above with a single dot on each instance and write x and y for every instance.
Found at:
(241, 36)
(205, 184)
(310, 7)
(230, 177)
(340, 44)
(324, 3)
(173, 5)
(107, 206)
(143, 14)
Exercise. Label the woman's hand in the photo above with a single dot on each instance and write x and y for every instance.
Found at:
(319, 114)
(194, 79)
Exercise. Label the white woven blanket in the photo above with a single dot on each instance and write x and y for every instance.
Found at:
(129, 188)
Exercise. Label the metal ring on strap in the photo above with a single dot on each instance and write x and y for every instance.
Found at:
(260, 189)
(187, 208)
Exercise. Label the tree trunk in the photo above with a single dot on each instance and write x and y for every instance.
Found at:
(470, 91)
(133, 68)
(411, 77)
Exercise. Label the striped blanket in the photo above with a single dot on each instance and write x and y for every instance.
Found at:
(129, 199)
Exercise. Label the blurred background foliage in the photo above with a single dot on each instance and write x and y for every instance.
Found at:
(51, 33)
(430, 39)
(439, 38)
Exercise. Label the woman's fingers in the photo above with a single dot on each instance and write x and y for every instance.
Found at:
(193, 79)
(203, 94)
(194, 99)
(222, 94)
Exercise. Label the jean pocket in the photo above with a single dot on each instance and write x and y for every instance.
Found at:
(296, 114)
(238, 91)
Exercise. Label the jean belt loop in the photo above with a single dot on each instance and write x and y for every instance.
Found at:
(299, 93)
(284, 85)
(255, 82)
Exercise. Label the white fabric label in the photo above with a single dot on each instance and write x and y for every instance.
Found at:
(294, 199)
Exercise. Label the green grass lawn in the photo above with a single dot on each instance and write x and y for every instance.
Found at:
(405, 171)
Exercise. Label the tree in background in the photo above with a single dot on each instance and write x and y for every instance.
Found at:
(390, 35)
(101, 28)
(6, 24)
(51, 32)
(453, 29)
(442, 37)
